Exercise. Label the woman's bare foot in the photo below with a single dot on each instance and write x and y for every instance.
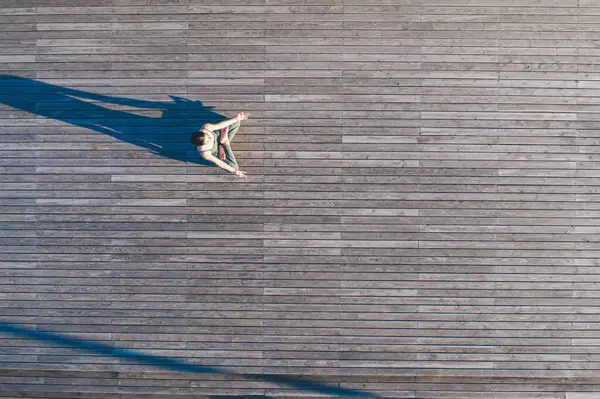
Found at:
(224, 138)
(221, 153)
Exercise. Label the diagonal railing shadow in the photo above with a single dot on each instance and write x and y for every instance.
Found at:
(167, 136)
(176, 364)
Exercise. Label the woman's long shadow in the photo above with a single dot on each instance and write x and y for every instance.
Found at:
(168, 136)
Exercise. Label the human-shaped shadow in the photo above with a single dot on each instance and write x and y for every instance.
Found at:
(168, 136)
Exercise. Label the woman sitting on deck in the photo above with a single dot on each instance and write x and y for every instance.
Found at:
(212, 144)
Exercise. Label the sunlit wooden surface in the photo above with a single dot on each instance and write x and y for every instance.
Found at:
(421, 216)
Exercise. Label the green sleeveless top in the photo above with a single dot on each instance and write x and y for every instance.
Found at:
(215, 148)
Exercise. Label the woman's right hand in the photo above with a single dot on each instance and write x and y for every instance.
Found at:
(240, 174)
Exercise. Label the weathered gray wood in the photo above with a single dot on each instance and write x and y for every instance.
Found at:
(420, 219)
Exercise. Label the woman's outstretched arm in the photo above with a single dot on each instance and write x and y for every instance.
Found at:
(240, 117)
(223, 165)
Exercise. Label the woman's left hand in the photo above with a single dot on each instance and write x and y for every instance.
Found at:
(242, 116)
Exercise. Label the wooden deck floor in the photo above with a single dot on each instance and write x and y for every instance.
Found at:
(421, 216)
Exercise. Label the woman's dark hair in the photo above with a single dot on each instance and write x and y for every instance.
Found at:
(198, 138)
